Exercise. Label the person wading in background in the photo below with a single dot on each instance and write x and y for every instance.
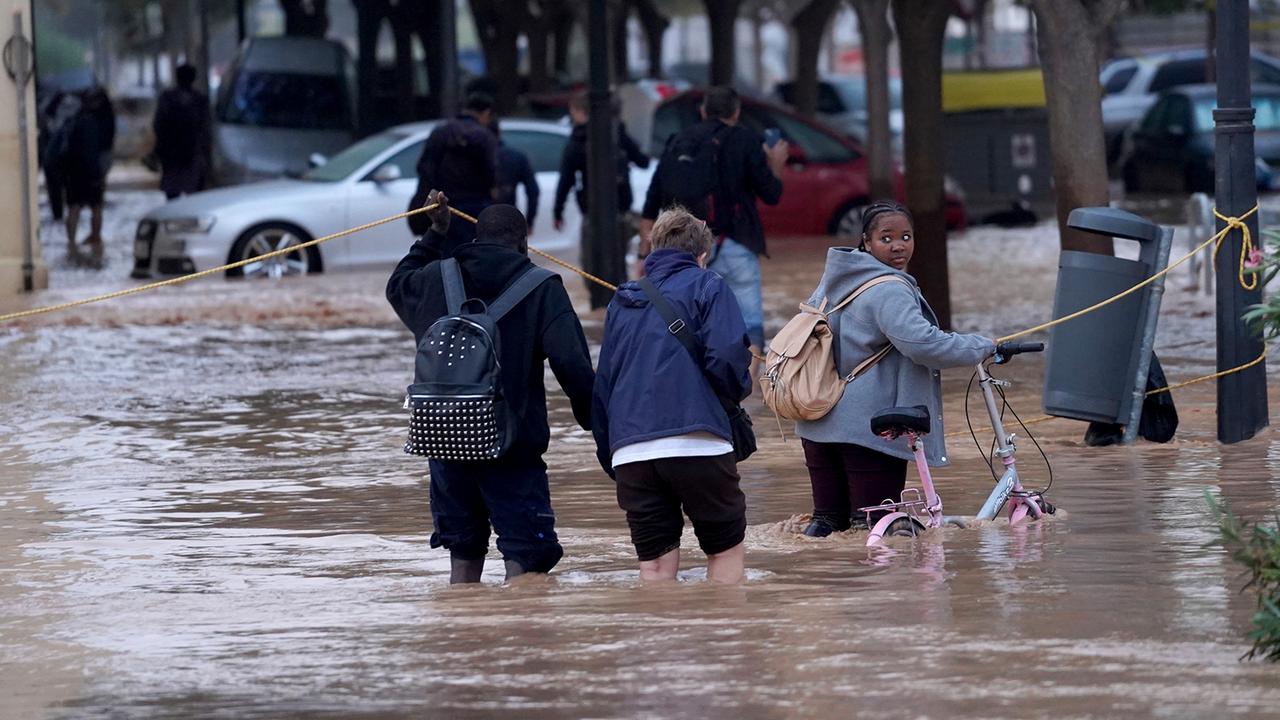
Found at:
(573, 177)
(183, 136)
(459, 159)
(512, 492)
(744, 171)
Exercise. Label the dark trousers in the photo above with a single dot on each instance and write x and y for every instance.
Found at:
(53, 185)
(511, 494)
(846, 477)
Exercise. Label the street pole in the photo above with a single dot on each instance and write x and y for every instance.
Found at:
(1242, 396)
(241, 29)
(603, 254)
(18, 57)
(449, 59)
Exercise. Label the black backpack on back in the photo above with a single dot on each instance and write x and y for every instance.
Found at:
(458, 408)
(690, 170)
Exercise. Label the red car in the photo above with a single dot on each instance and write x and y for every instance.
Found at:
(825, 184)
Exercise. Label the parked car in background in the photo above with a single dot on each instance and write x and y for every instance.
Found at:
(1131, 85)
(282, 100)
(1172, 148)
(842, 104)
(372, 179)
(825, 183)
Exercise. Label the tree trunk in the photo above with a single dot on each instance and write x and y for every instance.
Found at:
(305, 18)
(538, 32)
(810, 27)
(1069, 34)
(498, 25)
(873, 23)
(406, 92)
(368, 23)
(921, 24)
(619, 68)
(562, 32)
(722, 17)
(655, 26)
(423, 19)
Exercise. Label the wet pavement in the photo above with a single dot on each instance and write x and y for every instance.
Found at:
(205, 512)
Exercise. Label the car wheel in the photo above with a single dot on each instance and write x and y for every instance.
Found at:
(848, 219)
(267, 238)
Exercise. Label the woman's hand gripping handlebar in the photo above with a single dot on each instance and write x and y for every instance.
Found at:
(1006, 350)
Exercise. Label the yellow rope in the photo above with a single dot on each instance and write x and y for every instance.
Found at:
(1246, 244)
(1214, 376)
(1216, 240)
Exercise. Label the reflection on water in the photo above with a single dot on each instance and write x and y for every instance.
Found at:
(216, 520)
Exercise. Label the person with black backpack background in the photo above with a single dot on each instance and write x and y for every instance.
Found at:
(718, 169)
(460, 159)
(489, 314)
(573, 177)
(183, 136)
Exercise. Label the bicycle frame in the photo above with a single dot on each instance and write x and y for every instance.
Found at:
(1009, 487)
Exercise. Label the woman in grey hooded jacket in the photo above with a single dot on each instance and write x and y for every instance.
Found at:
(849, 467)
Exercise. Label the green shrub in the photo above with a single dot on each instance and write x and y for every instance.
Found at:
(1257, 548)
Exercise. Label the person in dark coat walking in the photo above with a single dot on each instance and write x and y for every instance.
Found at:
(56, 118)
(512, 492)
(459, 159)
(87, 160)
(573, 177)
(183, 136)
(659, 426)
(514, 169)
(748, 171)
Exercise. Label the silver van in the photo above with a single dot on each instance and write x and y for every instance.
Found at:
(282, 100)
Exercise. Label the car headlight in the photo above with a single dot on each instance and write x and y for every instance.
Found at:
(188, 225)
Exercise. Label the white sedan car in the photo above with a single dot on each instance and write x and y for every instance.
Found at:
(372, 179)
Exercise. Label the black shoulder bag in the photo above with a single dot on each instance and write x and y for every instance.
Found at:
(744, 437)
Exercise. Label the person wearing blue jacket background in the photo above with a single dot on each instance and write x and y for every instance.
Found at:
(660, 429)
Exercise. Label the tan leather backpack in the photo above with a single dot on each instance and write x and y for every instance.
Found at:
(800, 380)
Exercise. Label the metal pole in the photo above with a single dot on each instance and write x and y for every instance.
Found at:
(1146, 348)
(204, 46)
(603, 255)
(241, 24)
(1242, 396)
(18, 57)
(449, 55)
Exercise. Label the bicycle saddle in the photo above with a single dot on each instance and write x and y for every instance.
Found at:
(897, 421)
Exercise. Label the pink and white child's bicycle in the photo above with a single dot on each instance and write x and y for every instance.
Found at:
(917, 511)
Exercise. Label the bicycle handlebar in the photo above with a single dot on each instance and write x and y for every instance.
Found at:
(1006, 350)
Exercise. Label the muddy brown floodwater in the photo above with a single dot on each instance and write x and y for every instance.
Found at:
(204, 512)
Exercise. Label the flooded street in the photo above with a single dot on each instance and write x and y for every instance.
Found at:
(205, 512)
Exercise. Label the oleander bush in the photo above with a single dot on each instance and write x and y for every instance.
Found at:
(1255, 547)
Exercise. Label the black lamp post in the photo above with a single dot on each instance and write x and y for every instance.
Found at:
(1242, 396)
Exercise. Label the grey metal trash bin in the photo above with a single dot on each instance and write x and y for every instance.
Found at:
(1096, 368)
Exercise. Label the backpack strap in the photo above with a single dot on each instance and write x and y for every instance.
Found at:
(518, 290)
(454, 292)
(680, 329)
(880, 280)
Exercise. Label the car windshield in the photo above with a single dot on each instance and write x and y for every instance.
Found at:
(286, 100)
(1267, 115)
(354, 157)
(854, 94)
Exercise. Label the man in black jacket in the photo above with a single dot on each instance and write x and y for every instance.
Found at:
(573, 177)
(511, 492)
(459, 158)
(747, 170)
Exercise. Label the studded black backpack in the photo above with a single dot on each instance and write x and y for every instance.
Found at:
(457, 407)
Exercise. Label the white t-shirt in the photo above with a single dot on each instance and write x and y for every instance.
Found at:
(694, 444)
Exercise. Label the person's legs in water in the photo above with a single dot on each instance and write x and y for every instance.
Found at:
(95, 224)
(653, 515)
(73, 224)
(709, 491)
(460, 518)
(827, 477)
(740, 268)
(518, 496)
(872, 478)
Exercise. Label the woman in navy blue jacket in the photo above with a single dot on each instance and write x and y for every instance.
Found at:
(660, 430)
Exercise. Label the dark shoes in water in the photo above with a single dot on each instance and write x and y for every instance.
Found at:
(824, 525)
